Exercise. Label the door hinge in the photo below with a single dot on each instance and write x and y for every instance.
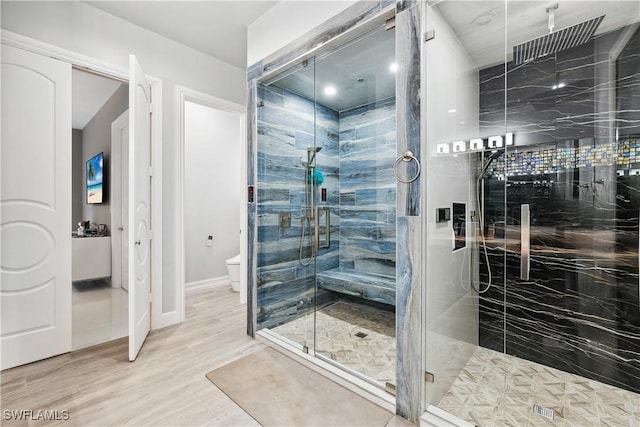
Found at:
(150, 297)
(390, 388)
(150, 234)
(390, 23)
(260, 104)
(429, 35)
(150, 170)
(429, 377)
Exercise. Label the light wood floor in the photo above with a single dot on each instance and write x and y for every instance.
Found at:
(165, 386)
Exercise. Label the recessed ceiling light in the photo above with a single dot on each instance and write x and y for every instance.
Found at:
(483, 20)
(360, 80)
(453, 110)
(330, 90)
(393, 67)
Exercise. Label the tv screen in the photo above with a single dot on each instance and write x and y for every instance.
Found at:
(95, 187)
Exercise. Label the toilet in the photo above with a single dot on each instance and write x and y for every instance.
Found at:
(233, 267)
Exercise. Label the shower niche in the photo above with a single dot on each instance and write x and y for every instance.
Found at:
(326, 146)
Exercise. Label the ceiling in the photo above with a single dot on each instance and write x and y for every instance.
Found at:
(359, 71)
(216, 28)
(480, 25)
(90, 93)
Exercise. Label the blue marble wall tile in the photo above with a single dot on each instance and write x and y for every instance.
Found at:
(409, 333)
(286, 130)
(367, 187)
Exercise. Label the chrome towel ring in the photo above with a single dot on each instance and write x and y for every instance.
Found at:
(407, 156)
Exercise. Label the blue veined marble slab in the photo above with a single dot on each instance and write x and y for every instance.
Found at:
(277, 272)
(379, 214)
(376, 196)
(347, 197)
(367, 147)
(362, 284)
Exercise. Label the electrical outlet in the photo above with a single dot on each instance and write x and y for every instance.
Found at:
(210, 241)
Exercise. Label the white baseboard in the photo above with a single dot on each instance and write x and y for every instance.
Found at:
(205, 285)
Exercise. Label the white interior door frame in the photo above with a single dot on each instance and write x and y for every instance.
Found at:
(183, 95)
(97, 66)
(117, 201)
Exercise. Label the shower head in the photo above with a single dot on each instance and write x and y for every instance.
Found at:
(494, 155)
(556, 41)
(311, 156)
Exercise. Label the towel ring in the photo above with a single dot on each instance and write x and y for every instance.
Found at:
(407, 156)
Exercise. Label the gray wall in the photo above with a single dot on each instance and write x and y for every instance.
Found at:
(77, 178)
(96, 138)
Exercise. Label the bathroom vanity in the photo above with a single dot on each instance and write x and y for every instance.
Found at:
(91, 257)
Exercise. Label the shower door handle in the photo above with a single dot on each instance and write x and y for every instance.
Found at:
(327, 227)
(525, 239)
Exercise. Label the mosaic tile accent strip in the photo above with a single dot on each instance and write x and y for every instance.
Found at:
(496, 389)
(623, 154)
(337, 326)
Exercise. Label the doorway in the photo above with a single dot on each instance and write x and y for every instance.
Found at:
(213, 209)
(99, 299)
(38, 285)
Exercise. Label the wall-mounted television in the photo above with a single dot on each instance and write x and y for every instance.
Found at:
(95, 179)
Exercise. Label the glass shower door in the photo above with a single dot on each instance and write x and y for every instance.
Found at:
(556, 201)
(286, 204)
(355, 262)
(327, 205)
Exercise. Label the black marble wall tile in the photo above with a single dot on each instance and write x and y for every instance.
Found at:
(579, 311)
(628, 91)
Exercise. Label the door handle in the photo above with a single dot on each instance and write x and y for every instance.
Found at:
(121, 228)
(137, 243)
(525, 239)
(327, 227)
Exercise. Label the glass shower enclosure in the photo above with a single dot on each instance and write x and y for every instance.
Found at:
(326, 205)
(533, 299)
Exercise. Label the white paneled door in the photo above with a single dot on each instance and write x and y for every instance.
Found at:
(35, 208)
(139, 208)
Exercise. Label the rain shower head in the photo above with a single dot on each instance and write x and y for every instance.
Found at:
(556, 41)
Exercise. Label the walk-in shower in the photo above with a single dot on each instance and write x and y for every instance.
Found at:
(542, 144)
(326, 147)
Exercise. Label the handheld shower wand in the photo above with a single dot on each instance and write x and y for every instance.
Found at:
(494, 155)
(308, 210)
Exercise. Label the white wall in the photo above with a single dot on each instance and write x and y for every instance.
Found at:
(450, 83)
(212, 190)
(285, 22)
(78, 27)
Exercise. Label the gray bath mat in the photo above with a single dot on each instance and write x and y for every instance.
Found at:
(278, 391)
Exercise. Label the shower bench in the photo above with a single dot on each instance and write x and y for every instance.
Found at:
(361, 284)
